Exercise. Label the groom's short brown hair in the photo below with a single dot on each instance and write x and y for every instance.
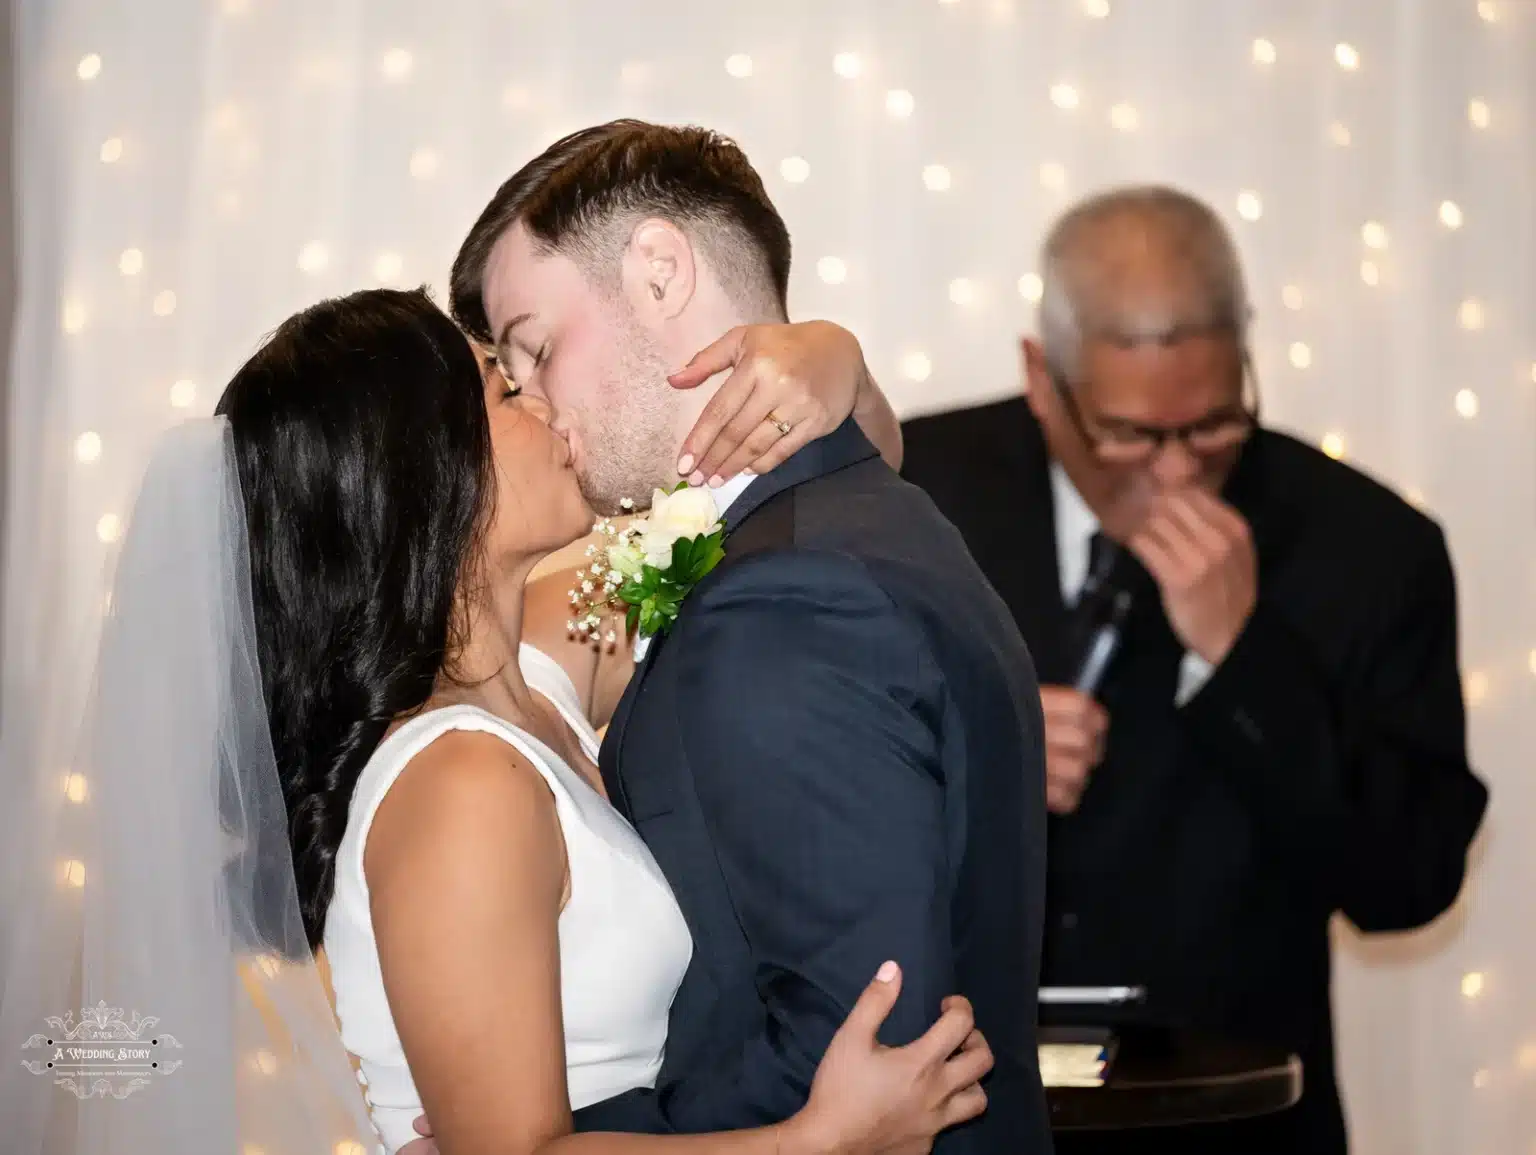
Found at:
(583, 194)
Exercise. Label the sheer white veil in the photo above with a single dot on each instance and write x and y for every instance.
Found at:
(154, 952)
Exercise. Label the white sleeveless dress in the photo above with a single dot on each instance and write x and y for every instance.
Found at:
(620, 907)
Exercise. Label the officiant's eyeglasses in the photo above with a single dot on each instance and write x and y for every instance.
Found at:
(1117, 442)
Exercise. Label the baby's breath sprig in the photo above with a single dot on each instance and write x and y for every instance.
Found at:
(646, 569)
(598, 583)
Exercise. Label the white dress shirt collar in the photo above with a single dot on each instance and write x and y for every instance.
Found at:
(726, 495)
(1075, 526)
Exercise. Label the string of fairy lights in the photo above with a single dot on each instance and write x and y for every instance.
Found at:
(1058, 96)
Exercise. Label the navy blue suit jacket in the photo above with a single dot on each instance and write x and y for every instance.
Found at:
(836, 756)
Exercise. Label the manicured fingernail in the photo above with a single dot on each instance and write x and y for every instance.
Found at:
(749, 473)
(684, 464)
(886, 972)
(695, 478)
(716, 481)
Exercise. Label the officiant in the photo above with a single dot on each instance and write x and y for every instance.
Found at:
(1248, 652)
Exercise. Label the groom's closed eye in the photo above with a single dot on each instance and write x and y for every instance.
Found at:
(540, 356)
(517, 359)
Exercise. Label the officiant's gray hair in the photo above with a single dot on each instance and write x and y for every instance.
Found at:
(1137, 264)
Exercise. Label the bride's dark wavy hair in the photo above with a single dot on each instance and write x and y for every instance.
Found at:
(364, 455)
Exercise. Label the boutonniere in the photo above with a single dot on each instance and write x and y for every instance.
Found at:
(648, 568)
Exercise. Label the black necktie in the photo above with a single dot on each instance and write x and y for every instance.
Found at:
(1095, 599)
(1100, 561)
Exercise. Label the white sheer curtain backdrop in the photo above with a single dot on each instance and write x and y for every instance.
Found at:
(191, 171)
(7, 225)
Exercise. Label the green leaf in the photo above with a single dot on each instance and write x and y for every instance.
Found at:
(655, 595)
(632, 618)
(641, 586)
(655, 619)
(682, 556)
(711, 553)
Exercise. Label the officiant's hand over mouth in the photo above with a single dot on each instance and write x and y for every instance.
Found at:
(1200, 552)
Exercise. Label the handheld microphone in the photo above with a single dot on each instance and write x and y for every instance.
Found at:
(1107, 605)
(1102, 647)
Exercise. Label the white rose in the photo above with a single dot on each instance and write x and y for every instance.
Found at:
(657, 548)
(688, 513)
(625, 560)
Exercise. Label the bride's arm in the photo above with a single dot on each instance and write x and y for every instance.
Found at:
(465, 866)
(467, 876)
(809, 374)
(466, 872)
(812, 374)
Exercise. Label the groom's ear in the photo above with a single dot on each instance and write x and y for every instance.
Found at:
(660, 272)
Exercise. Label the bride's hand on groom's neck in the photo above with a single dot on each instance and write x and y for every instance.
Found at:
(789, 384)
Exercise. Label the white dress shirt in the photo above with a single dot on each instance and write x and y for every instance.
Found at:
(1075, 527)
(725, 496)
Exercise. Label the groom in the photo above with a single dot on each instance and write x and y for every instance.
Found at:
(836, 753)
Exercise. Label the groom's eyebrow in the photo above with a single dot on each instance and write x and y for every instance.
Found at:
(506, 330)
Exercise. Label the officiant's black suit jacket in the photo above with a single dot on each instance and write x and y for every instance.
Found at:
(836, 757)
(1321, 768)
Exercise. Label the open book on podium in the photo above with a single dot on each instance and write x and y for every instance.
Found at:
(1081, 1056)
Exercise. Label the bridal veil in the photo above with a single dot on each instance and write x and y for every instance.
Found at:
(157, 993)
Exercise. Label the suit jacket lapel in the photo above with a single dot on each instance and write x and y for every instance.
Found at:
(1011, 529)
(613, 738)
(1270, 522)
(844, 446)
(841, 448)
(1041, 612)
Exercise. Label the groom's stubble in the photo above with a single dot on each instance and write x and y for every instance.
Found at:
(630, 424)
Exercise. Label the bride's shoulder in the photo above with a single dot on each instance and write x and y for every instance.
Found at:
(466, 796)
(461, 766)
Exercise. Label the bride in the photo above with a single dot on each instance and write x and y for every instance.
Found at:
(317, 723)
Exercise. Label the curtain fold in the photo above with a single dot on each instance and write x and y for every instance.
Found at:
(192, 171)
(7, 240)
